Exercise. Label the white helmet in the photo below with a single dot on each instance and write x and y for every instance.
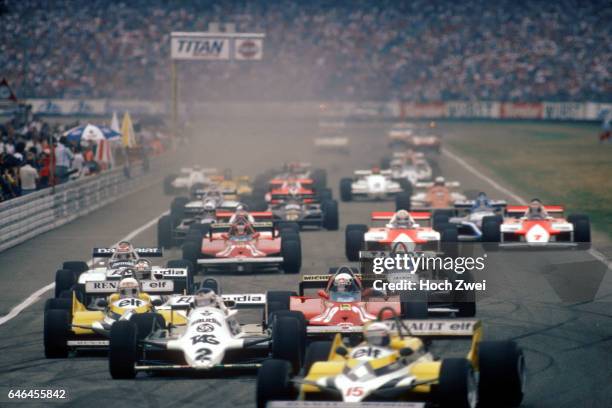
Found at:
(439, 181)
(128, 287)
(377, 334)
(205, 297)
(342, 282)
(403, 217)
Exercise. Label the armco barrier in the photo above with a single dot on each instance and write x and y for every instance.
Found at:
(25, 217)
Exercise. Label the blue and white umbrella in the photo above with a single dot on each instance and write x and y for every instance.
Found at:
(91, 132)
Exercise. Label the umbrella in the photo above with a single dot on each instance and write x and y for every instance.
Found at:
(91, 132)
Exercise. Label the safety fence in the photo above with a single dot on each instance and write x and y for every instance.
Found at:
(25, 217)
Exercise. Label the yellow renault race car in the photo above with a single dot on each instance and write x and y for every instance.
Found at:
(395, 365)
(70, 325)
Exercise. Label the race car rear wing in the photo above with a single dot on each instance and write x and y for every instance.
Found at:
(200, 192)
(514, 210)
(151, 252)
(280, 182)
(429, 328)
(257, 226)
(341, 404)
(468, 204)
(427, 184)
(147, 286)
(258, 215)
(209, 170)
(387, 215)
(238, 301)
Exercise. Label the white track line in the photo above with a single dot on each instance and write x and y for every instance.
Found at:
(594, 253)
(34, 297)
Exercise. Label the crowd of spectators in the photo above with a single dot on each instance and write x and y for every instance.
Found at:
(36, 155)
(422, 50)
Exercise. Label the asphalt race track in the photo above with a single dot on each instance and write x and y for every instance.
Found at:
(543, 300)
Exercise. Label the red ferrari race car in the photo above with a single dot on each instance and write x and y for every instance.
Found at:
(401, 226)
(343, 302)
(537, 226)
(245, 244)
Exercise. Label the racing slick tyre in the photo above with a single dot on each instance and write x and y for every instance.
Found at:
(440, 220)
(168, 187)
(78, 267)
(406, 186)
(491, 231)
(273, 383)
(177, 208)
(59, 304)
(317, 351)
(346, 189)
(402, 201)
(147, 323)
(502, 370)
(456, 384)
(191, 253)
(288, 225)
(582, 230)
(413, 304)
(319, 178)
(180, 284)
(164, 231)
(56, 330)
(449, 238)
(354, 240)
(123, 349)
(64, 280)
(276, 301)
(294, 315)
(291, 251)
(285, 344)
(330, 215)
(325, 194)
(465, 300)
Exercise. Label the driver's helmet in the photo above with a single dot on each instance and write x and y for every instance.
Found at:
(377, 334)
(293, 190)
(375, 170)
(142, 268)
(124, 251)
(241, 227)
(209, 208)
(128, 288)
(205, 297)
(482, 201)
(439, 181)
(402, 219)
(536, 209)
(343, 282)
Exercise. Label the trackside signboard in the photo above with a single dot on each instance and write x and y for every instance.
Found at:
(209, 46)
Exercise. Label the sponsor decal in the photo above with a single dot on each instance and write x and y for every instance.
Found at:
(205, 339)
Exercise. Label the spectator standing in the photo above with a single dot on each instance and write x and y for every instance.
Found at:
(63, 160)
(28, 176)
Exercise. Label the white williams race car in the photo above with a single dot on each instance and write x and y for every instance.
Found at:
(204, 334)
(113, 264)
(373, 185)
(188, 177)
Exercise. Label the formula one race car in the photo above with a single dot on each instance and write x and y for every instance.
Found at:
(400, 134)
(295, 202)
(402, 227)
(537, 226)
(409, 165)
(188, 177)
(291, 171)
(435, 195)
(242, 244)
(71, 325)
(211, 338)
(330, 138)
(109, 265)
(468, 216)
(373, 184)
(396, 364)
(345, 299)
(188, 216)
